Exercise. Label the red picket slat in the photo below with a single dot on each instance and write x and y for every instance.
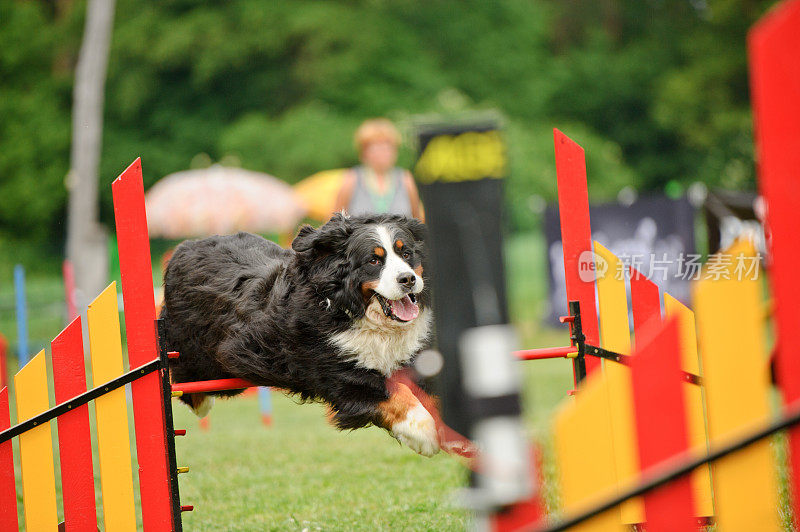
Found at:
(576, 234)
(8, 486)
(74, 438)
(645, 302)
(140, 314)
(775, 82)
(3, 361)
(661, 432)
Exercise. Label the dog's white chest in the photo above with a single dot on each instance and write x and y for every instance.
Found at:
(383, 347)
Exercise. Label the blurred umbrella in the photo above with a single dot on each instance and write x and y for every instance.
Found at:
(318, 193)
(220, 200)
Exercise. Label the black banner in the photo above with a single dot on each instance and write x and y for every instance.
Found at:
(653, 234)
(459, 171)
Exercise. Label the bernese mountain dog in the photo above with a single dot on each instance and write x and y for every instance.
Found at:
(330, 319)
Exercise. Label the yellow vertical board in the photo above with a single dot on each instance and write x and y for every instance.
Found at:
(36, 448)
(615, 336)
(585, 455)
(695, 413)
(113, 444)
(736, 376)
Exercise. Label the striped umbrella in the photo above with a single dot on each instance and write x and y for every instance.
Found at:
(220, 200)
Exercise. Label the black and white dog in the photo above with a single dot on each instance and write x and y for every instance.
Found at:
(330, 319)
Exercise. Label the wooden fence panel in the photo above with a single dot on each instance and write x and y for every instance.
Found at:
(113, 444)
(74, 437)
(645, 302)
(615, 334)
(8, 485)
(730, 322)
(36, 448)
(576, 234)
(661, 423)
(140, 315)
(585, 454)
(775, 84)
(693, 398)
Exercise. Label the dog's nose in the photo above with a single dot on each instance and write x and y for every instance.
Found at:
(407, 279)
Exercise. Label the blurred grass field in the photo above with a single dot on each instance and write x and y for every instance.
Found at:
(302, 474)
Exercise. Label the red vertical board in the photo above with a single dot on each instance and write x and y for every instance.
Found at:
(74, 438)
(645, 302)
(8, 485)
(774, 45)
(661, 425)
(3, 361)
(576, 235)
(140, 314)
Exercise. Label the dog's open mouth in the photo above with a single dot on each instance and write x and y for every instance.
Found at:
(403, 310)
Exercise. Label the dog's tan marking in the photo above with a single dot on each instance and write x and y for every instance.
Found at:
(418, 270)
(368, 288)
(400, 401)
(409, 421)
(399, 244)
(379, 251)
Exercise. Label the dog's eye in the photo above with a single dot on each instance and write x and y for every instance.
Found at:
(406, 254)
(375, 260)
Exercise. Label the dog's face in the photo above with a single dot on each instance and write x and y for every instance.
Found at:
(371, 266)
(389, 276)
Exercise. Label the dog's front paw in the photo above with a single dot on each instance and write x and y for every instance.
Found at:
(418, 431)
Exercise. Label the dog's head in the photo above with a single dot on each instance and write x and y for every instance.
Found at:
(367, 266)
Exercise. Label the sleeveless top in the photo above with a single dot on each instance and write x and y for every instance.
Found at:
(367, 200)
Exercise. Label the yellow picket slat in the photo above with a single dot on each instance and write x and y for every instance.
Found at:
(36, 448)
(615, 336)
(116, 478)
(695, 415)
(736, 377)
(585, 455)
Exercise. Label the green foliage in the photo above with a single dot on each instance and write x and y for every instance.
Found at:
(35, 85)
(283, 144)
(654, 91)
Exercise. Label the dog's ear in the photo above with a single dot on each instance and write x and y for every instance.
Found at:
(417, 229)
(304, 239)
(328, 238)
(347, 295)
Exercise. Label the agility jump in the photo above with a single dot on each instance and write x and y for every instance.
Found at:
(634, 444)
(668, 431)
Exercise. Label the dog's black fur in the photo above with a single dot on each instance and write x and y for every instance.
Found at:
(242, 306)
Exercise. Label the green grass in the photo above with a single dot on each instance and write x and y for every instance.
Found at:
(303, 474)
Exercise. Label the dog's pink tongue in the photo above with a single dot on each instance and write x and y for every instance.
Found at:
(405, 309)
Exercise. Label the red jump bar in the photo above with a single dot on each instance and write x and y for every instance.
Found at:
(235, 384)
(545, 352)
(211, 386)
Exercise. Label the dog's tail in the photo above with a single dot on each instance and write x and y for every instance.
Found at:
(200, 403)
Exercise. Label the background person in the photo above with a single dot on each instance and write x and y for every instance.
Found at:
(377, 186)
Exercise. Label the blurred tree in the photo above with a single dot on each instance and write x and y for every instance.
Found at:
(655, 90)
(87, 242)
(35, 84)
